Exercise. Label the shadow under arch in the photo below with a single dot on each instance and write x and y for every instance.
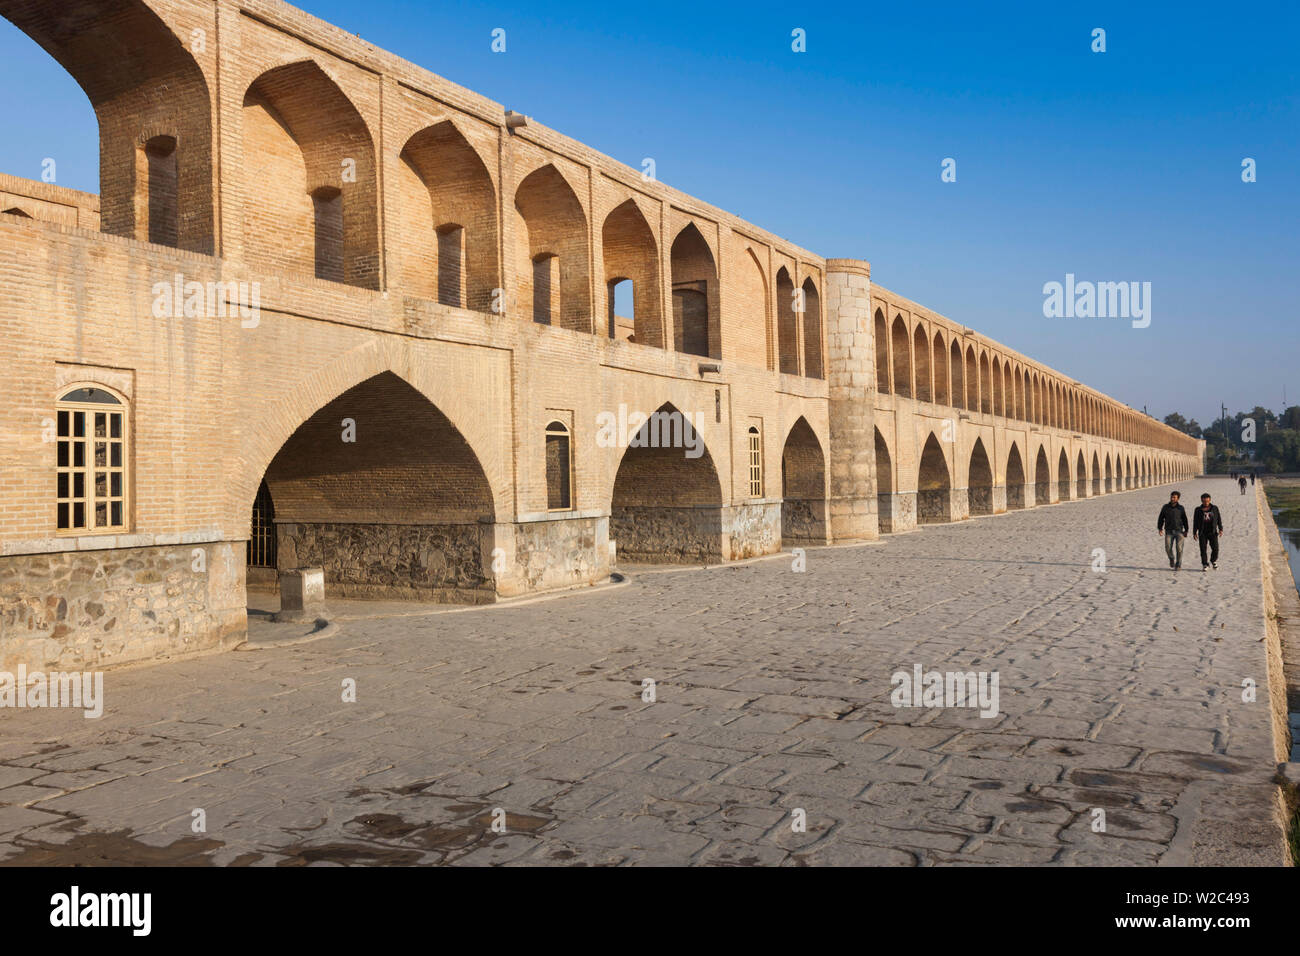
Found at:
(379, 489)
(979, 481)
(666, 504)
(144, 86)
(1015, 479)
(803, 486)
(933, 485)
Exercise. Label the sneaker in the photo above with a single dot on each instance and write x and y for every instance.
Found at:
(1205, 567)
(1215, 565)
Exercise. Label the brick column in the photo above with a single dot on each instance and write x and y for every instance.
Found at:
(851, 378)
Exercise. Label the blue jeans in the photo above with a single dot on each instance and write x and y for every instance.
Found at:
(1174, 548)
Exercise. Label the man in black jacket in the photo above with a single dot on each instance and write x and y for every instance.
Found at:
(1173, 525)
(1207, 524)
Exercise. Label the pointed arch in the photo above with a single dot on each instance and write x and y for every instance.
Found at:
(813, 367)
(900, 345)
(956, 370)
(447, 233)
(1096, 474)
(696, 330)
(885, 490)
(986, 384)
(803, 485)
(881, 332)
(1042, 478)
(933, 484)
(979, 481)
(748, 333)
(1063, 483)
(972, 380)
(921, 359)
(552, 261)
(942, 392)
(631, 253)
(1015, 478)
(787, 324)
(1080, 477)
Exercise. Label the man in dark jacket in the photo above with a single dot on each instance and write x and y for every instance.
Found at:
(1207, 525)
(1173, 525)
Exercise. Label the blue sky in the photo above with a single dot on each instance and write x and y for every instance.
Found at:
(1115, 166)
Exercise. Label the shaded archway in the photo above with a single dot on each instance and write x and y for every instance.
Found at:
(884, 485)
(1042, 478)
(958, 376)
(332, 484)
(147, 91)
(309, 175)
(882, 354)
(803, 486)
(901, 348)
(812, 330)
(1063, 477)
(696, 330)
(447, 237)
(1015, 480)
(986, 385)
(552, 259)
(1080, 477)
(979, 481)
(972, 380)
(631, 254)
(667, 501)
(942, 394)
(934, 485)
(921, 358)
(1110, 484)
(748, 310)
(1096, 474)
(787, 324)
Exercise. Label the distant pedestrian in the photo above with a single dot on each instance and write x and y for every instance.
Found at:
(1207, 525)
(1252, 479)
(1172, 523)
(1242, 482)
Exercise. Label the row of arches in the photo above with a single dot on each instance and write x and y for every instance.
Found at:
(1080, 478)
(936, 368)
(305, 189)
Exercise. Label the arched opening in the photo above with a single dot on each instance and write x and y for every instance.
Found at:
(972, 380)
(261, 552)
(997, 387)
(812, 331)
(695, 295)
(933, 485)
(1110, 485)
(882, 354)
(309, 175)
(559, 467)
(921, 350)
(1081, 477)
(552, 251)
(958, 376)
(1096, 474)
(884, 485)
(138, 77)
(631, 257)
(986, 385)
(1008, 394)
(1042, 479)
(942, 394)
(979, 482)
(902, 359)
(333, 484)
(1015, 480)
(787, 324)
(667, 505)
(748, 311)
(446, 238)
(1063, 477)
(803, 486)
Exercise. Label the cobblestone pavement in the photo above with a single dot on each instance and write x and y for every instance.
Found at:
(1119, 691)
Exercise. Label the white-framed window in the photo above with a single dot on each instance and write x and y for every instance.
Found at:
(92, 461)
(755, 463)
(559, 467)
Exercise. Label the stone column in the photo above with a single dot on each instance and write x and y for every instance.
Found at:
(851, 378)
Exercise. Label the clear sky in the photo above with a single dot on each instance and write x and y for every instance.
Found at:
(1115, 166)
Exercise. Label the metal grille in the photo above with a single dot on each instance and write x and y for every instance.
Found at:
(755, 464)
(261, 544)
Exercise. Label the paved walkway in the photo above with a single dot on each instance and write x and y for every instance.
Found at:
(1119, 691)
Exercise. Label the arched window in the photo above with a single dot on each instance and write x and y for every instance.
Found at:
(91, 460)
(755, 463)
(261, 540)
(559, 468)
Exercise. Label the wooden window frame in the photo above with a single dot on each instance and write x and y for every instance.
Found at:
(67, 411)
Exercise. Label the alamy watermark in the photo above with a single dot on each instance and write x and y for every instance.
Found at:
(661, 429)
(180, 299)
(1098, 300)
(946, 689)
(84, 689)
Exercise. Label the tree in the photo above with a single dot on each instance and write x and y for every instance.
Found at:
(1279, 450)
(1175, 420)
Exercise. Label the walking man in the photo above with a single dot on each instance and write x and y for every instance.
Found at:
(1242, 482)
(1207, 524)
(1252, 477)
(1173, 525)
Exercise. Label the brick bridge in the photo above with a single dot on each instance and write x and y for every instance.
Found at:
(331, 309)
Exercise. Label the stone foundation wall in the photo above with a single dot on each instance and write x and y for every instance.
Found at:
(750, 530)
(90, 609)
(979, 499)
(440, 562)
(672, 535)
(803, 520)
(559, 553)
(933, 507)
